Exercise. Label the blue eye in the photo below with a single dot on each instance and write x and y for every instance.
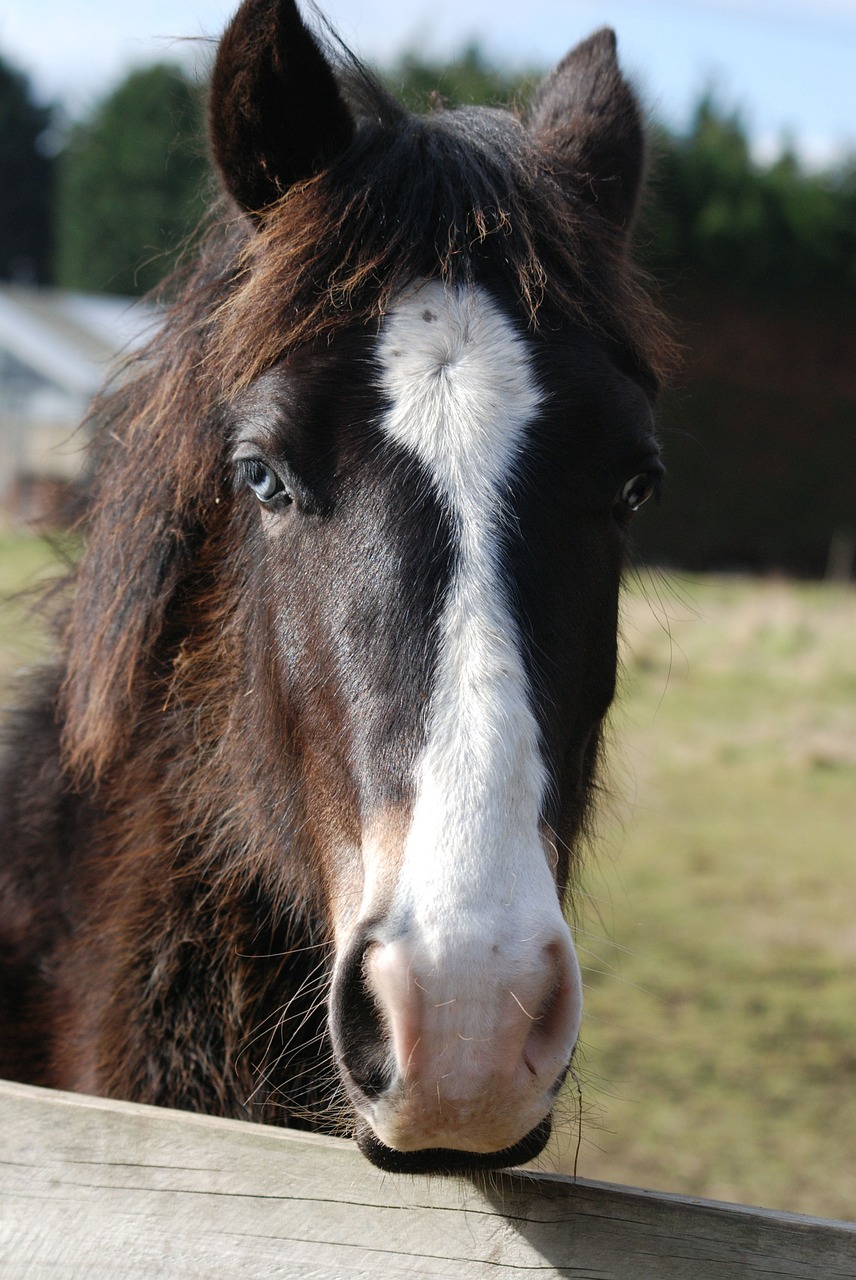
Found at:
(637, 491)
(263, 481)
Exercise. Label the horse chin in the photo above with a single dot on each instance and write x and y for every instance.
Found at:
(444, 1160)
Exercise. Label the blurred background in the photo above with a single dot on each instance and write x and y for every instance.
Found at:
(718, 926)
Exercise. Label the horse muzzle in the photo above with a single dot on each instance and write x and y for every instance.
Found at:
(453, 1060)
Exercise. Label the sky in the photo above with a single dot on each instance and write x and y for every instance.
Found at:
(788, 66)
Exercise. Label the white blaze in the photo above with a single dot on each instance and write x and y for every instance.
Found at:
(462, 395)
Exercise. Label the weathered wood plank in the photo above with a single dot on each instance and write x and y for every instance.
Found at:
(113, 1191)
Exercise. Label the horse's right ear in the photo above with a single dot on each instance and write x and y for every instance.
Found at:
(276, 115)
(587, 122)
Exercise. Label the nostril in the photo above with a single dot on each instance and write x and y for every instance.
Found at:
(360, 1037)
(554, 1031)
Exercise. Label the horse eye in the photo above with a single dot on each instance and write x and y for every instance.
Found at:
(637, 491)
(264, 481)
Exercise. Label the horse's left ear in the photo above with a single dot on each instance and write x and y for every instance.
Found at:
(275, 114)
(587, 121)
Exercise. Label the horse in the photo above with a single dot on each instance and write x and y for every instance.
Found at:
(292, 815)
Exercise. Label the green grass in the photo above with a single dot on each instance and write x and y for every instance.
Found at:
(719, 927)
(25, 563)
(719, 917)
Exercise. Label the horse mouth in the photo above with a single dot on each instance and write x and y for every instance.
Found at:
(442, 1160)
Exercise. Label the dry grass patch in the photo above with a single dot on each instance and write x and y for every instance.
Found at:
(26, 562)
(720, 936)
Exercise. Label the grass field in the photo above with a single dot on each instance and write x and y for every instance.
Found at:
(718, 928)
(25, 562)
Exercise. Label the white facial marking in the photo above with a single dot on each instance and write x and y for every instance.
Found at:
(475, 899)
(462, 395)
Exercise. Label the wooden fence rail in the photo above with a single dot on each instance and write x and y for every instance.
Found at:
(114, 1191)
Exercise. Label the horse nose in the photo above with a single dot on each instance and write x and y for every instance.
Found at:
(464, 1048)
(516, 1019)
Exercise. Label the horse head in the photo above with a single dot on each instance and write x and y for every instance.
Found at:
(435, 375)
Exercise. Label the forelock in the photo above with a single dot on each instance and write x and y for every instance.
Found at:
(461, 196)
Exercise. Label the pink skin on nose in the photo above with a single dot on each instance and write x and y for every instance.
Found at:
(476, 1059)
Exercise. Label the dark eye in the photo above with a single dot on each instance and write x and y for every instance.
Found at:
(263, 481)
(636, 491)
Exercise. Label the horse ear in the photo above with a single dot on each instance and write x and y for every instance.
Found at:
(276, 115)
(586, 119)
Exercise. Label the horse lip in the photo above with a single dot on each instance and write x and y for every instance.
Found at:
(442, 1160)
